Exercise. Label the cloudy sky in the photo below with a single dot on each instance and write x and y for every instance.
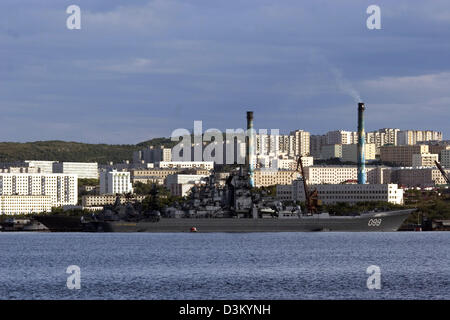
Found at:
(140, 69)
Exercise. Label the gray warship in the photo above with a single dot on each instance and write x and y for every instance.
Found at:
(236, 208)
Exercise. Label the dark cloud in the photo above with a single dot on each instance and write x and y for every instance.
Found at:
(140, 69)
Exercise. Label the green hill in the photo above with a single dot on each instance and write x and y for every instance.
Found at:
(74, 151)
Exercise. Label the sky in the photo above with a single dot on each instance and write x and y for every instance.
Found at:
(141, 69)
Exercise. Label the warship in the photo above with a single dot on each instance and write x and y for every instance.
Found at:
(237, 207)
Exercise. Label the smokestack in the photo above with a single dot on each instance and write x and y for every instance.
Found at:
(361, 145)
(250, 147)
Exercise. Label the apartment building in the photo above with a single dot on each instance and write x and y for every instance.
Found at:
(412, 137)
(301, 142)
(25, 204)
(270, 177)
(44, 166)
(115, 182)
(319, 174)
(84, 170)
(350, 193)
(61, 188)
(401, 155)
(424, 160)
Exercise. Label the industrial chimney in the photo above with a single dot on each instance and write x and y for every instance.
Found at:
(250, 147)
(361, 145)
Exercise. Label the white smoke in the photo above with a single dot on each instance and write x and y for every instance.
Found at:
(344, 85)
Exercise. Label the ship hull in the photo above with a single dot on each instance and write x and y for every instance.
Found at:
(380, 221)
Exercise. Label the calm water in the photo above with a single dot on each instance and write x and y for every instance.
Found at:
(225, 266)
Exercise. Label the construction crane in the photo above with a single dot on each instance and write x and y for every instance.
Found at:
(438, 165)
(312, 201)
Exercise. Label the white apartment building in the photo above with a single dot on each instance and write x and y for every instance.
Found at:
(382, 137)
(84, 170)
(337, 174)
(301, 142)
(350, 152)
(61, 188)
(209, 165)
(44, 166)
(424, 160)
(115, 182)
(351, 193)
(24, 204)
(412, 137)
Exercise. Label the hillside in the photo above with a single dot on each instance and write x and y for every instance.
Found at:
(73, 151)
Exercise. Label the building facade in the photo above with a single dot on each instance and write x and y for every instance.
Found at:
(84, 170)
(24, 204)
(424, 160)
(115, 182)
(301, 142)
(350, 193)
(270, 177)
(61, 188)
(401, 155)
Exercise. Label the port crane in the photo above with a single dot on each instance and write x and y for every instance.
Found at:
(312, 201)
(438, 165)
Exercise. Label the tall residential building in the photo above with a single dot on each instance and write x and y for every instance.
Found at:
(286, 145)
(61, 188)
(382, 137)
(302, 142)
(115, 182)
(84, 170)
(401, 155)
(412, 137)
